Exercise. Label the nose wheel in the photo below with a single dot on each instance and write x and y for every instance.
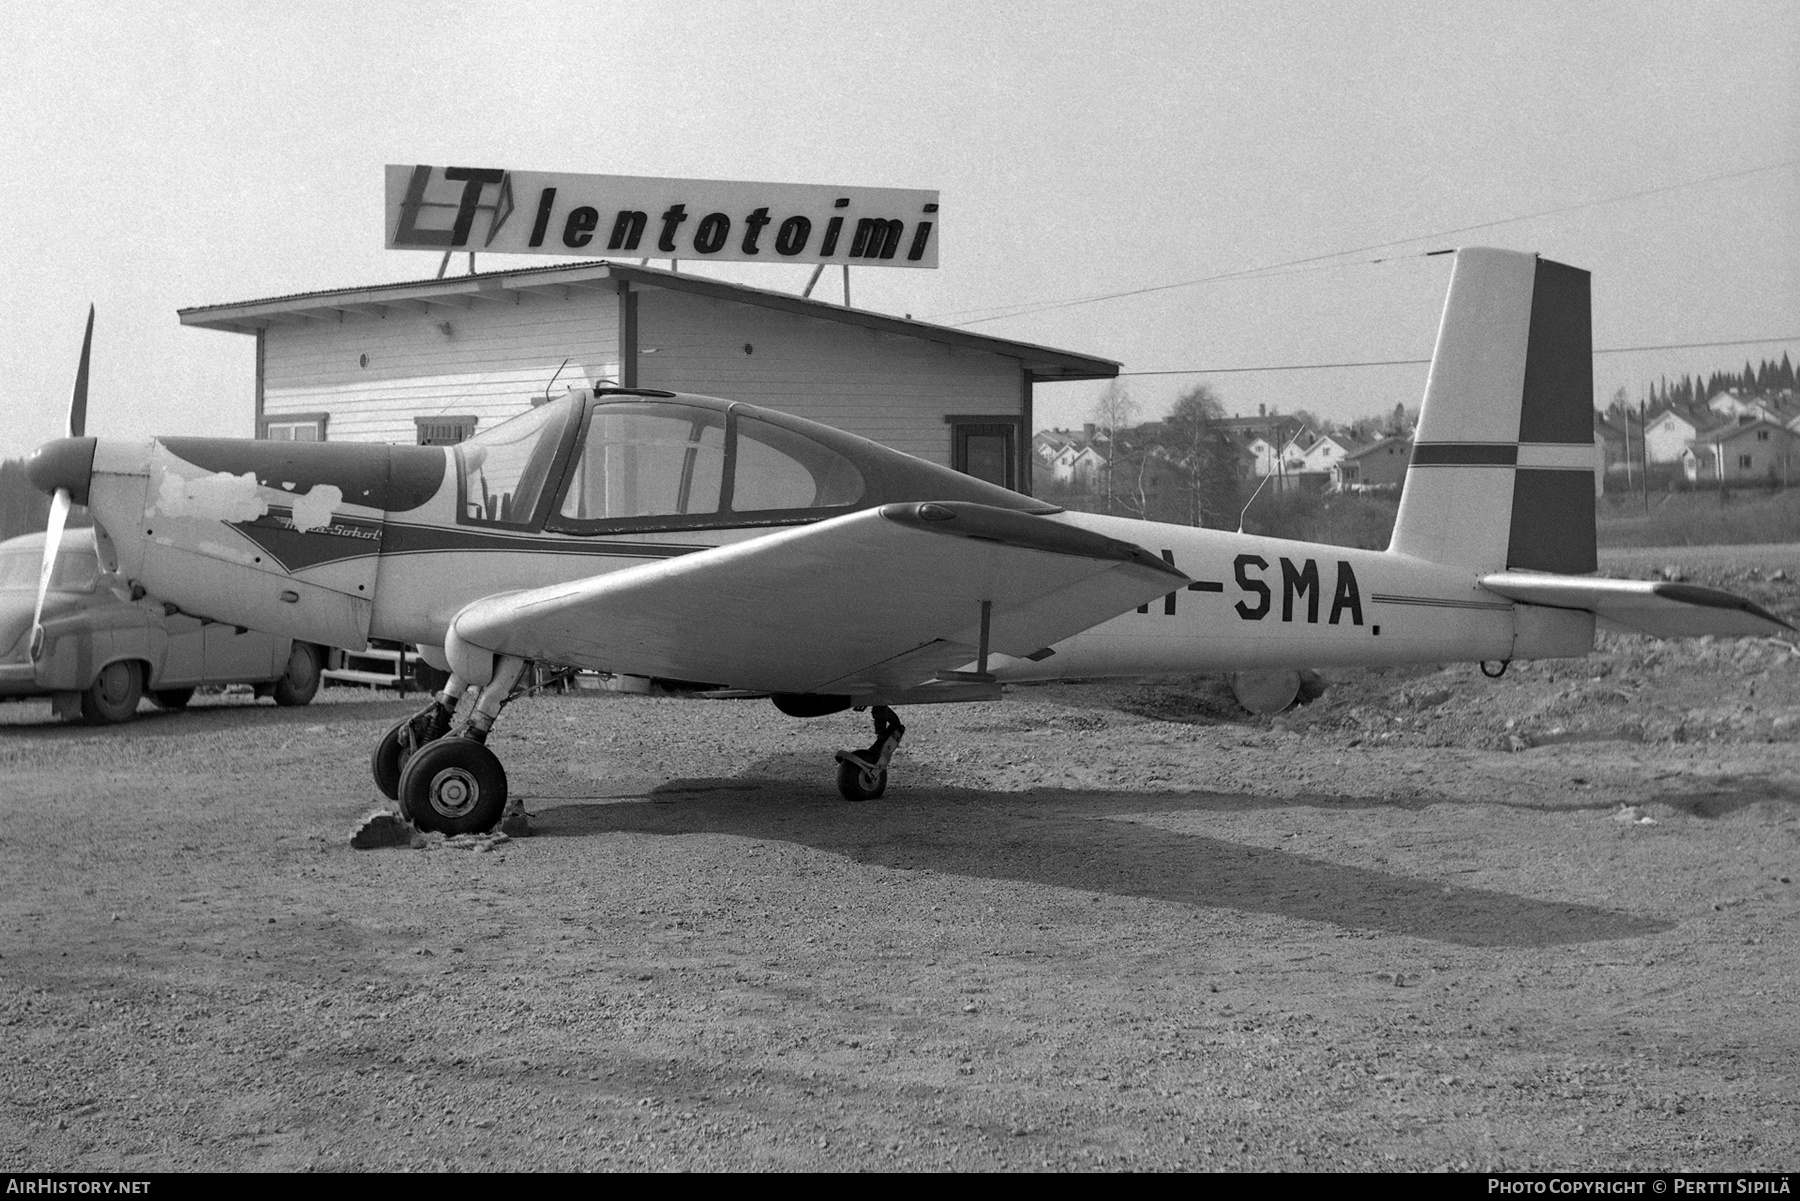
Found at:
(863, 775)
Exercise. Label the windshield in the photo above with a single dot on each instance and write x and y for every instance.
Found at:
(504, 469)
(76, 568)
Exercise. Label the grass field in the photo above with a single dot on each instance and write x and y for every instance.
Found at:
(1700, 518)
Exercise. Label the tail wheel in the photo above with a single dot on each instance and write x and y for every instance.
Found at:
(858, 783)
(113, 696)
(301, 680)
(453, 786)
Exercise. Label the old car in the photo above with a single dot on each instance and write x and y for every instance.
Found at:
(105, 649)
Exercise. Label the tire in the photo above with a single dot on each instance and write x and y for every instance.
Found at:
(853, 786)
(113, 696)
(453, 786)
(1265, 693)
(172, 698)
(388, 761)
(301, 681)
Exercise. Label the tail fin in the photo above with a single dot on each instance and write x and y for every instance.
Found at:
(1502, 471)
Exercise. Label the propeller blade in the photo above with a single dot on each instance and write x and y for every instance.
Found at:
(78, 401)
(53, 532)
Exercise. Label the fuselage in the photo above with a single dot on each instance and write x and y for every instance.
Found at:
(340, 543)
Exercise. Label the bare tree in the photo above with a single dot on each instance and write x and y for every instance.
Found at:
(1204, 457)
(1114, 411)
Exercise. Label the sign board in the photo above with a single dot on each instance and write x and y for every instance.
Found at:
(534, 212)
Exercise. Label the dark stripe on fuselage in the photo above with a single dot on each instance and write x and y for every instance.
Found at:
(1465, 454)
(403, 538)
(1438, 602)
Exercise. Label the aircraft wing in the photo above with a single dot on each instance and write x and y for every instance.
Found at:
(1665, 610)
(882, 599)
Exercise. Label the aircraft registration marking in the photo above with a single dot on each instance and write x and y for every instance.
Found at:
(1299, 583)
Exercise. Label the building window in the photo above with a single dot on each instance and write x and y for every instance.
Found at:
(1744, 462)
(294, 427)
(986, 448)
(443, 430)
(1762, 435)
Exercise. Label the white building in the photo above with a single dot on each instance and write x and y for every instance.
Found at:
(433, 361)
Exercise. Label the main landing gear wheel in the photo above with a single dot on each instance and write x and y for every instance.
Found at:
(863, 775)
(453, 786)
(397, 745)
(387, 761)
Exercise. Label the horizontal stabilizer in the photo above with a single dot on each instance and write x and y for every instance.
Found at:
(1663, 610)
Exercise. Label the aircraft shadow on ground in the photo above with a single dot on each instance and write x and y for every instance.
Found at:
(1062, 838)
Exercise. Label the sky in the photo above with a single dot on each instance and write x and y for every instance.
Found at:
(166, 155)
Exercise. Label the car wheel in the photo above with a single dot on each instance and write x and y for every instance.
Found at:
(173, 698)
(113, 696)
(301, 682)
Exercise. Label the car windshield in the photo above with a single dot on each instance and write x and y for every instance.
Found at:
(76, 568)
(504, 469)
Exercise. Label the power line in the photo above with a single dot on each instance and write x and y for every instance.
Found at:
(1442, 233)
(1417, 362)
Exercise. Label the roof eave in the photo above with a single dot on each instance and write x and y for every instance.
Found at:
(464, 291)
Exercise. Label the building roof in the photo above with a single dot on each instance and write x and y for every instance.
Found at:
(564, 280)
(1732, 433)
(1390, 440)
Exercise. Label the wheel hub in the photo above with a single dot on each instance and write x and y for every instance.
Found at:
(454, 792)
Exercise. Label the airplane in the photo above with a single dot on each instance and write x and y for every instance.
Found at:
(706, 541)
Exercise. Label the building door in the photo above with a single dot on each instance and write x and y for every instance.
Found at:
(987, 450)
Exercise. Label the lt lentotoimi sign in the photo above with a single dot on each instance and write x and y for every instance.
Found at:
(534, 212)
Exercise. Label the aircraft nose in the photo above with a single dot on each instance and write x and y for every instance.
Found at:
(63, 463)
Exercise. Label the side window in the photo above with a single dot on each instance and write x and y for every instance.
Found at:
(983, 449)
(295, 427)
(444, 431)
(657, 460)
(779, 469)
(75, 570)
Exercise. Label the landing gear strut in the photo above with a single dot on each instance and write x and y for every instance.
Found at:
(862, 775)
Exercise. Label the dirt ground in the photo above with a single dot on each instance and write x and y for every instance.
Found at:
(1430, 920)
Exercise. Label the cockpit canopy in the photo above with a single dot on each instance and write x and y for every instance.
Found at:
(620, 461)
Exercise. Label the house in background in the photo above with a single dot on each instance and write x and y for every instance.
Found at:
(1379, 465)
(1752, 452)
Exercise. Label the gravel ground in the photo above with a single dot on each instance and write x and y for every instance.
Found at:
(1427, 921)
